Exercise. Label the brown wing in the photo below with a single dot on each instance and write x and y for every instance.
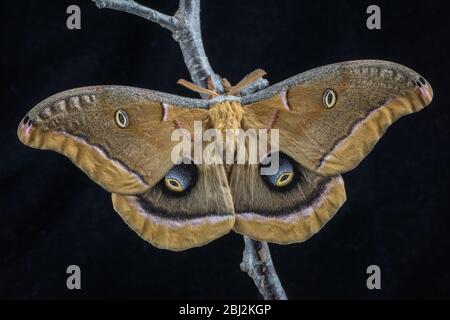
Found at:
(179, 222)
(332, 139)
(82, 125)
(287, 215)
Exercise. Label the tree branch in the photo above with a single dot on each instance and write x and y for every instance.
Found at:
(185, 28)
(132, 7)
(189, 37)
(257, 262)
(256, 86)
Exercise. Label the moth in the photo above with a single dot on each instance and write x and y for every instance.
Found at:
(328, 120)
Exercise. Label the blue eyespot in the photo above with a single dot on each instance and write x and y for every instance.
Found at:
(180, 178)
(284, 174)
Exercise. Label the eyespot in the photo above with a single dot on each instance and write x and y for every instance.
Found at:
(284, 174)
(180, 178)
(329, 99)
(174, 185)
(284, 179)
(121, 118)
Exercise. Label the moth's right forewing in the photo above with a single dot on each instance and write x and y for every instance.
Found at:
(331, 117)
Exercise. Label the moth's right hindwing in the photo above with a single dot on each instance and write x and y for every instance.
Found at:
(284, 215)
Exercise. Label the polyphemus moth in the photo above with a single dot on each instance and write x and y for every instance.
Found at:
(328, 120)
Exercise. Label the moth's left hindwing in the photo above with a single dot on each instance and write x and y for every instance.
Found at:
(179, 221)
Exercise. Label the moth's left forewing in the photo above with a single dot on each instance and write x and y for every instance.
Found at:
(331, 139)
(125, 158)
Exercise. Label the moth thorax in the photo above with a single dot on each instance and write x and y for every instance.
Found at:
(226, 115)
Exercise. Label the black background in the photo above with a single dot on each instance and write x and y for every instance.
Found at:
(52, 215)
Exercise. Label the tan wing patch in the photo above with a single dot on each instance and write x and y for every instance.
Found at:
(368, 96)
(109, 173)
(288, 216)
(169, 233)
(125, 158)
(181, 222)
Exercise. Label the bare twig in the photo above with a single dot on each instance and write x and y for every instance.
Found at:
(257, 262)
(185, 28)
(189, 37)
(132, 7)
(256, 86)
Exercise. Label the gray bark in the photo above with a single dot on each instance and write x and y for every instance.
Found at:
(257, 262)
